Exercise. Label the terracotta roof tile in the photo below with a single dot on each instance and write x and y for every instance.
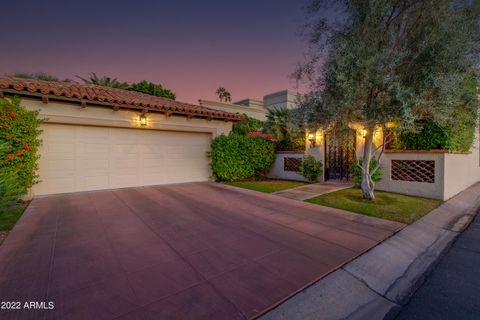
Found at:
(112, 96)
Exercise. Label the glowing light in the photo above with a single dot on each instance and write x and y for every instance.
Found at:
(142, 120)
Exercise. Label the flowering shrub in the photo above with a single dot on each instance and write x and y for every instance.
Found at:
(19, 138)
(266, 136)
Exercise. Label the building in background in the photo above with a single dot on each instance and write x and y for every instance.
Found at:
(256, 108)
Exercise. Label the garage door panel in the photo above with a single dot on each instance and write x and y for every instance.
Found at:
(77, 158)
(95, 182)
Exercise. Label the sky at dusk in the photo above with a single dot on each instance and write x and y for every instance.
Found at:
(191, 47)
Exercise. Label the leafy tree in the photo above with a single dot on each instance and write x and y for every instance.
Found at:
(390, 60)
(282, 123)
(104, 81)
(152, 89)
(223, 95)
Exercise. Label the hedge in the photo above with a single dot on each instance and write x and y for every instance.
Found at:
(19, 142)
(237, 157)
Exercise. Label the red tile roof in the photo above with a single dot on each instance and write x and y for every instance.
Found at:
(108, 96)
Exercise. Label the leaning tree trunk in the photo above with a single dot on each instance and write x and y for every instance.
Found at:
(367, 184)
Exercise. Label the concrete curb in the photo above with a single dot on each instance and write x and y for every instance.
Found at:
(376, 284)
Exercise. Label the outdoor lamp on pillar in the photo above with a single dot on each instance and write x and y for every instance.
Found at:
(311, 138)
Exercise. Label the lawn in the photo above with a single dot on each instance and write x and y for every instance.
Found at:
(390, 206)
(9, 217)
(267, 186)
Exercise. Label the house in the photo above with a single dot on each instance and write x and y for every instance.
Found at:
(437, 174)
(257, 109)
(102, 138)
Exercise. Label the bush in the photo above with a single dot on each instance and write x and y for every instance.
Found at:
(10, 188)
(238, 157)
(457, 136)
(19, 142)
(246, 125)
(311, 169)
(357, 172)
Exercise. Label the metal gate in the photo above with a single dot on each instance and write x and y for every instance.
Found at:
(339, 155)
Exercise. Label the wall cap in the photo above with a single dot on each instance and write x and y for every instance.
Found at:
(437, 151)
(291, 152)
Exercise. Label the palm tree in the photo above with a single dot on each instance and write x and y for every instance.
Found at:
(278, 122)
(223, 95)
(104, 81)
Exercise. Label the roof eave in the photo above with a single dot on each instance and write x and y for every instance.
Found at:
(115, 105)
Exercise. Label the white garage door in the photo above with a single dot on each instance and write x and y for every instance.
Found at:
(81, 158)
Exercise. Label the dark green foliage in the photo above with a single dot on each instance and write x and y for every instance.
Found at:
(104, 81)
(238, 157)
(152, 89)
(311, 169)
(283, 125)
(38, 76)
(430, 135)
(10, 188)
(357, 171)
(247, 125)
(19, 143)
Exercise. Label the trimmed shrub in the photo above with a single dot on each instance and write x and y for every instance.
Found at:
(311, 169)
(238, 157)
(19, 132)
(357, 172)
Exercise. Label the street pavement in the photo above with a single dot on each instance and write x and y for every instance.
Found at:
(451, 291)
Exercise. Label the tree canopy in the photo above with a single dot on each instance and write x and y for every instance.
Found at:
(142, 86)
(390, 60)
(104, 81)
(152, 89)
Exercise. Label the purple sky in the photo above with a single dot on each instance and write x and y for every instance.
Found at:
(191, 47)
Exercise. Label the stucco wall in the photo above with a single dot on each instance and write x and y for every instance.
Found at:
(420, 189)
(462, 170)
(281, 99)
(71, 113)
(277, 171)
(253, 112)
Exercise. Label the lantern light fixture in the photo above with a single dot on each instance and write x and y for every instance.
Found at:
(311, 138)
(142, 120)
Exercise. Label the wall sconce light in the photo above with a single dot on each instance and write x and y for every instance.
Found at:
(311, 138)
(142, 120)
(364, 132)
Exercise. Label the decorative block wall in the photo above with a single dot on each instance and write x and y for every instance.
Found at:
(292, 164)
(413, 170)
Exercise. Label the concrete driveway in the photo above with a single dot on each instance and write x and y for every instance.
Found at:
(189, 251)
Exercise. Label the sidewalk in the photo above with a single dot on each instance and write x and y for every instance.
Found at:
(379, 282)
(451, 290)
(313, 190)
